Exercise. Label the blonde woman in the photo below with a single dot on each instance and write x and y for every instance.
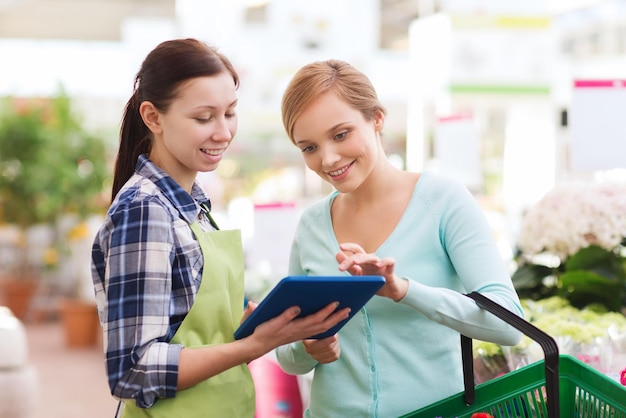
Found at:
(425, 234)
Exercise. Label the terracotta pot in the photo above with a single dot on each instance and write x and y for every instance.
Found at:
(80, 323)
(17, 294)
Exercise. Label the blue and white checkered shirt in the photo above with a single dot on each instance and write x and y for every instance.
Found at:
(147, 266)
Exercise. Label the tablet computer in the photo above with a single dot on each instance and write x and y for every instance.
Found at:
(312, 293)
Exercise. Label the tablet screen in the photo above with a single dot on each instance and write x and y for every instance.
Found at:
(312, 293)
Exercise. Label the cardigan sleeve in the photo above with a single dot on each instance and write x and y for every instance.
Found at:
(468, 242)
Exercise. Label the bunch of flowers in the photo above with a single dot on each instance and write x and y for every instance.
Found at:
(575, 216)
(572, 243)
(593, 335)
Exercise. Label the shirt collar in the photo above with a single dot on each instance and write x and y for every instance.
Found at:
(188, 205)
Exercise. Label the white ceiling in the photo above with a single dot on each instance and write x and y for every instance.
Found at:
(101, 19)
(75, 19)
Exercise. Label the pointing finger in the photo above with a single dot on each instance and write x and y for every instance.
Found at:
(352, 247)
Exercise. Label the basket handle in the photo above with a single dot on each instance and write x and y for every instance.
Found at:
(547, 343)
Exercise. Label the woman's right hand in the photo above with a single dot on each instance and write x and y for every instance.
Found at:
(287, 327)
(353, 259)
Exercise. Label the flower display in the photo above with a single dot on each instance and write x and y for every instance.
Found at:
(593, 335)
(574, 216)
(79, 232)
(572, 243)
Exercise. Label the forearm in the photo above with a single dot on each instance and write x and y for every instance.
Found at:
(200, 363)
(455, 310)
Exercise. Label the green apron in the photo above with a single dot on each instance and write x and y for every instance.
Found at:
(212, 320)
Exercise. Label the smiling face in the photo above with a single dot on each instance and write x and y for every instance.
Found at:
(338, 142)
(196, 129)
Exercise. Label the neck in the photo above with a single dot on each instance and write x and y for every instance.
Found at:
(380, 183)
(185, 178)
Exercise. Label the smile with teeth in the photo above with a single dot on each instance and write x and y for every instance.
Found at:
(212, 151)
(340, 171)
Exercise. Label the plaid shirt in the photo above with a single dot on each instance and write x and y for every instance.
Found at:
(146, 267)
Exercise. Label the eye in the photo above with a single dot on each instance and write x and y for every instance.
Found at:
(341, 135)
(204, 120)
(308, 148)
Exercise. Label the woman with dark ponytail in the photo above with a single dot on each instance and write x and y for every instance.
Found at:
(168, 281)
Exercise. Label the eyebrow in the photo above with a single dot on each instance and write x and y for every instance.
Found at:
(233, 103)
(332, 128)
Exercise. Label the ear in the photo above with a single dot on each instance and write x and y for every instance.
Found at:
(151, 117)
(379, 121)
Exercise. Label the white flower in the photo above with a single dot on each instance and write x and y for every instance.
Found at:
(574, 216)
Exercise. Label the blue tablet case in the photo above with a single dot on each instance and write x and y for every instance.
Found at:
(312, 293)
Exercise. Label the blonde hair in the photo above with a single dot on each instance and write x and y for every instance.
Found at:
(312, 80)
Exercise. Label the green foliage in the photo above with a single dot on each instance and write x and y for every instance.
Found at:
(530, 281)
(49, 164)
(593, 275)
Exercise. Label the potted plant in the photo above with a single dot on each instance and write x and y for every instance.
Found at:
(572, 244)
(52, 170)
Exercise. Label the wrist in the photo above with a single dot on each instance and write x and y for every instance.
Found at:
(404, 288)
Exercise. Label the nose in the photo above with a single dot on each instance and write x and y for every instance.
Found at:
(330, 156)
(224, 130)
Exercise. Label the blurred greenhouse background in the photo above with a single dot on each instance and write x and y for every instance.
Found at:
(511, 98)
(481, 90)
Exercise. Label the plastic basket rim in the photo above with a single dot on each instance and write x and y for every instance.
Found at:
(570, 368)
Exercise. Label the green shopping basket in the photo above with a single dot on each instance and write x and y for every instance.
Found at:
(559, 386)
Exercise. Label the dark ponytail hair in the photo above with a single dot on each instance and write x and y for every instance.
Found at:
(161, 73)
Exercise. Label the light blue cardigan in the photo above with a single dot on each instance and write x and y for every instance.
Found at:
(398, 357)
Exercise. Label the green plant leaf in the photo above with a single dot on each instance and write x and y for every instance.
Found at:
(584, 287)
(529, 281)
(598, 260)
(42, 145)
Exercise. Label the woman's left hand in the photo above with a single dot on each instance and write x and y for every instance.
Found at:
(325, 350)
(353, 259)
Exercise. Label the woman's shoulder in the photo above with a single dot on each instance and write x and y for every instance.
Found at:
(141, 196)
(317, 212)
(437, 185)
(319, 206)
